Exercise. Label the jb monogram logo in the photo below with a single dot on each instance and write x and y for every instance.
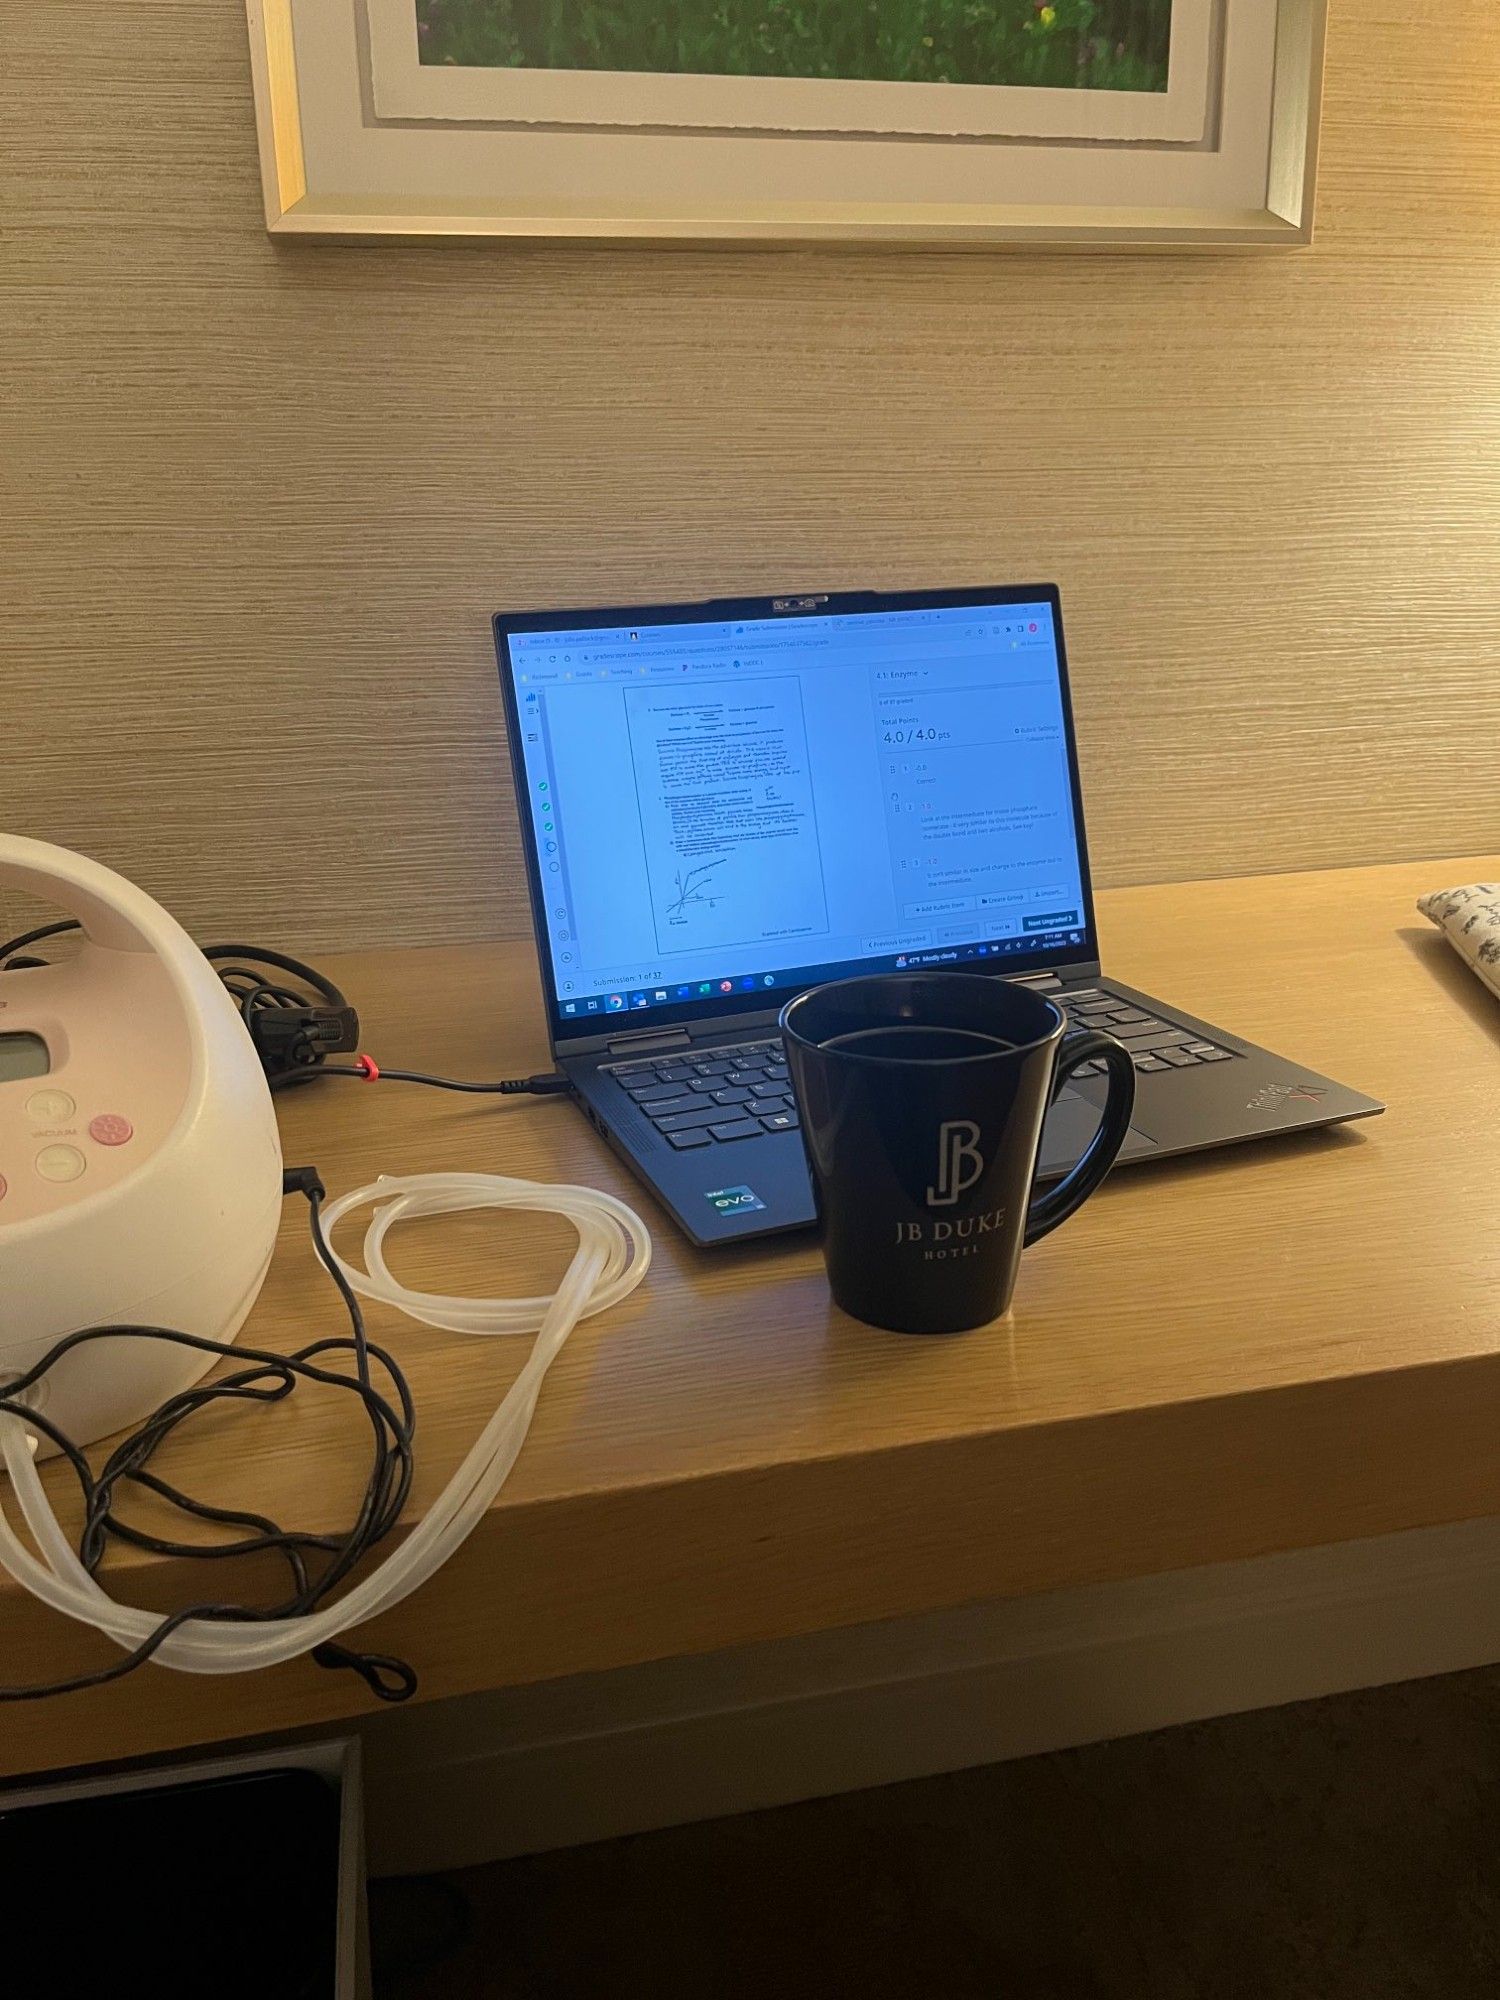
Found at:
(960, 1162)
(959, 1166)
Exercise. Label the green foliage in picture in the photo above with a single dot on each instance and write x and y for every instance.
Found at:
(1082, 44)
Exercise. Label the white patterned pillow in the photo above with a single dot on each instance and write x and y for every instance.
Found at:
(1470, 919)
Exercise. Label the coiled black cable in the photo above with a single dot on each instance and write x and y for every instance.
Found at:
(268, 1378)
(295, 1015)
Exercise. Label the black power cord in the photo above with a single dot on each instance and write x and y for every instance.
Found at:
(291, 1030)
(512, 1086)
(268, 1378)
(296, 1027)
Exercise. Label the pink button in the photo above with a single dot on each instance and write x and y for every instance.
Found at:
(110, 1129)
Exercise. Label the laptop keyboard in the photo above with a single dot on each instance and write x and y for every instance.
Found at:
(717, 1096)
(714, 1096)
(1154, 1044)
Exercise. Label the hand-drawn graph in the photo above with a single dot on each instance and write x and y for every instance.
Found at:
(693, 889)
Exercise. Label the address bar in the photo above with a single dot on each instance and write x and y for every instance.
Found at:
(902, 645)
(716, 648)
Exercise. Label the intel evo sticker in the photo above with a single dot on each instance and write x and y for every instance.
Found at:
(735, 1200)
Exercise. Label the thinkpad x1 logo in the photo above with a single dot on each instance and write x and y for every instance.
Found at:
(1286, 1093)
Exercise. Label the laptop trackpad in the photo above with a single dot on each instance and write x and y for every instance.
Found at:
(1070, 1125)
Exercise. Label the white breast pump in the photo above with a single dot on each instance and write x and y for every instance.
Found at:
(140, 1166)
(140, 1184)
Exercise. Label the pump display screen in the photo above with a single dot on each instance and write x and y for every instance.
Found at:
(22, 1056)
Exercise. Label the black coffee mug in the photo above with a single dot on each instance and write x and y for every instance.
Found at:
(922, 1097)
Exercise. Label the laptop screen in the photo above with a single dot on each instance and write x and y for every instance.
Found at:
(722, 809)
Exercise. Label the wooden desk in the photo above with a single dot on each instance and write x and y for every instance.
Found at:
(1262, 1349)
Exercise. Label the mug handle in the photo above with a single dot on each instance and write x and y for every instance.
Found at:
(1058, 1202)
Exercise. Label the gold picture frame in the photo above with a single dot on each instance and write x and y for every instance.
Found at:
(334, 164)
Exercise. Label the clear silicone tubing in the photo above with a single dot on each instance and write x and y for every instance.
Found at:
(613, 1256)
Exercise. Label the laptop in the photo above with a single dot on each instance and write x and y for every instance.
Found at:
(724, 803)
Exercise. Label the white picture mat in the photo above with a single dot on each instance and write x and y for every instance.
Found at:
(461, 170)
(404, 87)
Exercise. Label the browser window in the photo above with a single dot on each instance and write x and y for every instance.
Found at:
(737, 806)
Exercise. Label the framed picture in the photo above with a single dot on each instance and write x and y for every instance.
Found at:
(954, 122)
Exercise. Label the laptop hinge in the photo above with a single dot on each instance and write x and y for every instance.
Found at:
(646, 1041)
(1039, 982)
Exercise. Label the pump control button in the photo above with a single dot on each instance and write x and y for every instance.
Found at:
(60, 1163)
(50, 1107)
(110, 1129)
